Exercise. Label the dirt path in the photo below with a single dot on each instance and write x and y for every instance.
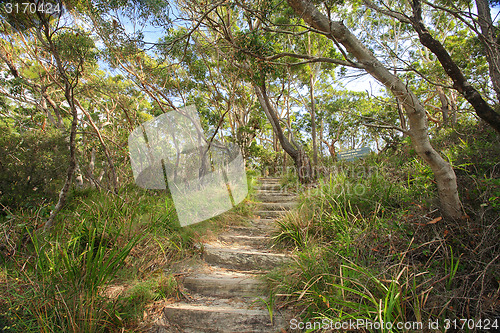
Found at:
(226, 291)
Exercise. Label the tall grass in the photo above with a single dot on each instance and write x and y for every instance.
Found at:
(58, 281)
(101, 267)
(67, 277)
(355, 255)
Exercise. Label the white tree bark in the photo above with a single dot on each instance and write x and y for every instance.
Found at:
(337, 31)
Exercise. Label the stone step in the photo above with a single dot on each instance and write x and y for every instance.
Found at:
(269, 214)
(277, 205)
(271, 182)
(247, 231)
(269, 179)
(243, 259)
(245, 240)
(222, 318)
(266, 226)
(225, 284)
(276, 195)
(277, 199)
(263, 223)
(225, 289)
(269, 187)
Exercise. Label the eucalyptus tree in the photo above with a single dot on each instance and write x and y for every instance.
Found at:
(310, 75)
(253, 35)
(357, 54)
(248, 44)
(354, 119)
(111, 108)
(53, 55)
(477, 22)
(184, 66)
(394, 42)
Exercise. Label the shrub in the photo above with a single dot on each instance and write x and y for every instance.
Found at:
(32, 166)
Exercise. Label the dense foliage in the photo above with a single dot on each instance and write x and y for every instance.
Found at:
(414, 226)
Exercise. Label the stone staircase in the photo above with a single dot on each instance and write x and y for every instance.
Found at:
(226, 291)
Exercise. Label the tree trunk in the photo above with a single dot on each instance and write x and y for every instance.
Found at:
(445, 105)
(69, 96)
(114, 178)
(298, 155)
(43, 103)
(305, 170)
(313, 111)
(331, 149)
(489, 39)
(320, 147)
(53, 105)
(91, 169)
(288, 122)
(402, 119)
(336, 31)
(63, 194)
(453, 107)
(313, 122)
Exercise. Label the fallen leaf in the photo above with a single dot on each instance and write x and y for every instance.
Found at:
(437, 219)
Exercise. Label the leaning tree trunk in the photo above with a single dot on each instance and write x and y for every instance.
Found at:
(63, 194)
(460, 83)
(338, 32)
(299, 156)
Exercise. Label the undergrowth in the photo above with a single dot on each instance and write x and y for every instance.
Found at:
(106, 261)
(373, 248)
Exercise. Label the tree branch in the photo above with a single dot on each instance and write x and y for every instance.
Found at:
(482, 108)
(401, 17)
(383, 125)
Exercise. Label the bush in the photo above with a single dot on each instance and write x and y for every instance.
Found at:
(67, 277)
(70, 270)
(32, 166)
(372, 244)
